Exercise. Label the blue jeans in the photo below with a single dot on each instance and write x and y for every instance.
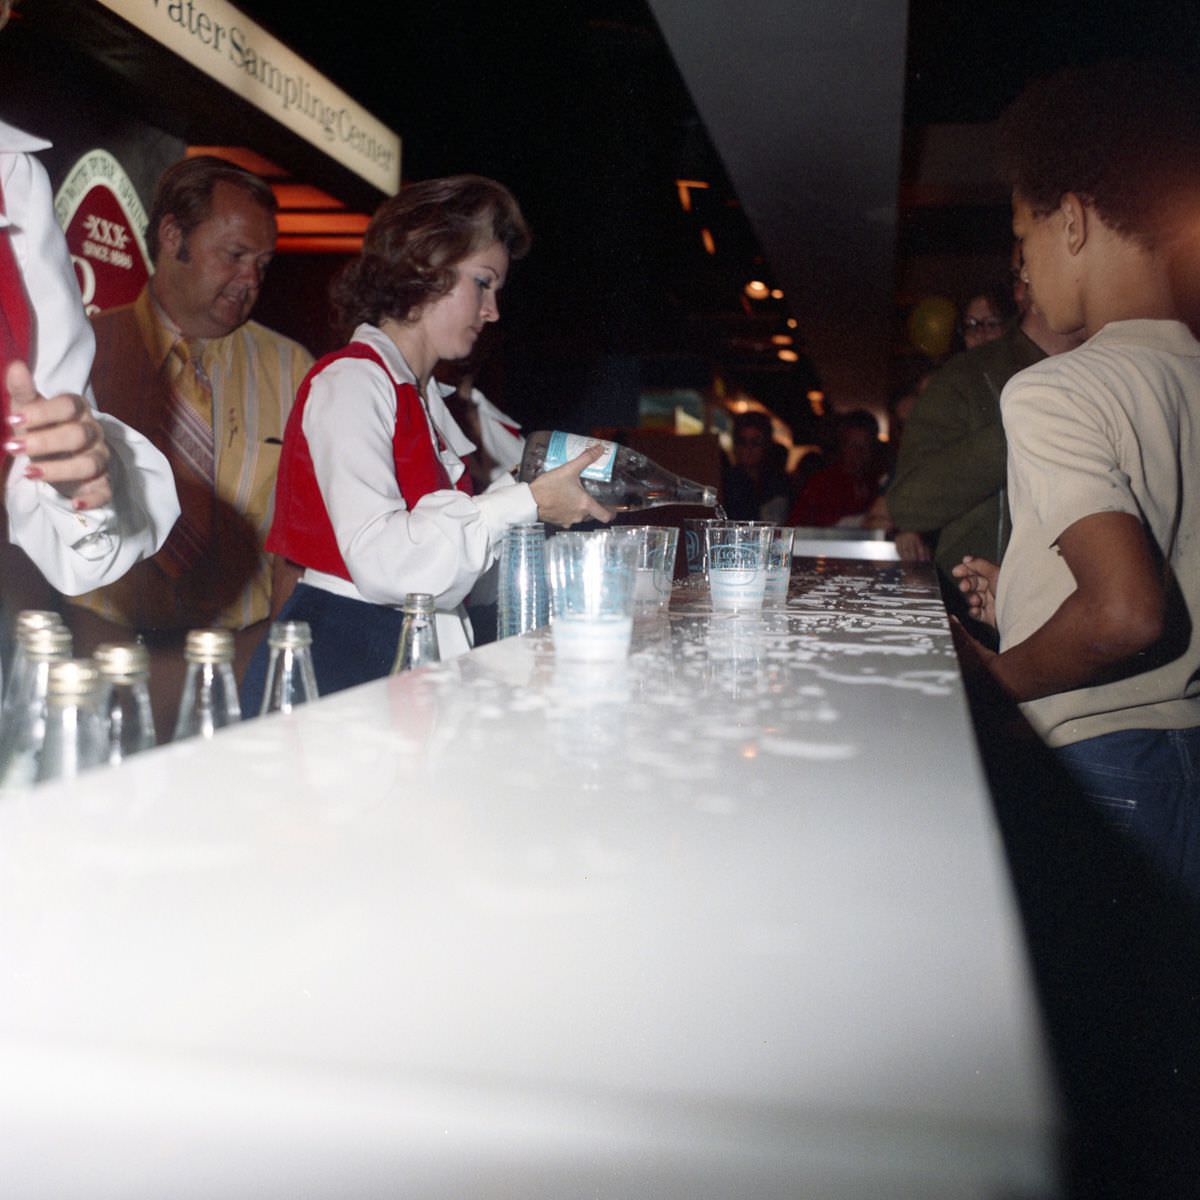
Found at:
(1145, 783)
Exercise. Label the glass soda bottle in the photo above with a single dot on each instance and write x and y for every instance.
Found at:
(623, 479)
(291, 679)
(27, 619)
(23, 726)
(210, 699)
(125, 698)
(418, 635)
(75, 737)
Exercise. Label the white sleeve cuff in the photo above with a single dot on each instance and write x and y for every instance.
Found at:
(505, 505)
(79, 551)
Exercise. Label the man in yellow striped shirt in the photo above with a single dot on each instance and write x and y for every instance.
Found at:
(212, 389)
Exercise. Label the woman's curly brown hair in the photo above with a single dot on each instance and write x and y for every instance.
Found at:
(1123, 136)
(416, 239)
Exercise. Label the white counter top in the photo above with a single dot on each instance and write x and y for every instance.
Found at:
(732, 920)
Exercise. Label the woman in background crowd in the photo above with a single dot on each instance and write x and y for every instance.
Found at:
(843, 492)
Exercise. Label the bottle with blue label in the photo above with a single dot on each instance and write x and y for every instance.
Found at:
(623, 479)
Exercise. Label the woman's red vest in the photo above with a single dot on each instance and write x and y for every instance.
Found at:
(301, 530)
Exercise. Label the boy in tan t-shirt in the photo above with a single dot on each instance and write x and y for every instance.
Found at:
(1098, 600)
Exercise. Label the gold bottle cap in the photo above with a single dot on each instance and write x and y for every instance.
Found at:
(47, 642)
(36, 618)
(122, 662)
(72, 679)
(209, 646)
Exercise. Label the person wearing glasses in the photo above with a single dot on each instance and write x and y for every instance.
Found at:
(950, 476)
(986, 316)
(755, 486)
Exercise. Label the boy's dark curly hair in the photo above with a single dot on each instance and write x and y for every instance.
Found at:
(1124, 136)
(416, 239)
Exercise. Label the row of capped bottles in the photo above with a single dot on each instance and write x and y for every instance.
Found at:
(61, 714)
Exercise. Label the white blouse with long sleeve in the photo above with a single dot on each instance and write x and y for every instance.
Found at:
(75, 551)
(447, 540)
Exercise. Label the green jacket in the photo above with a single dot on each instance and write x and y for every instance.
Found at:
(950, 473)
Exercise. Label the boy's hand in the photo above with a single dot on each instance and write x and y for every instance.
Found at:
(977, 581)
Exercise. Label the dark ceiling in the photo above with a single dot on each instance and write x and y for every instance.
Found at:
(591, 109)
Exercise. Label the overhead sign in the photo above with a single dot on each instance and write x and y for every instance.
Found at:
(104, 222)
(230, 48)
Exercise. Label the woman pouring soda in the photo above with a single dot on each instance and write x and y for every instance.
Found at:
(373, 500)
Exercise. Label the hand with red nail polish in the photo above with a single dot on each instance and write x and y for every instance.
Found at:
(63, 439)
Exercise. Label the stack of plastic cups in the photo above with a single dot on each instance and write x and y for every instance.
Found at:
(523, 602)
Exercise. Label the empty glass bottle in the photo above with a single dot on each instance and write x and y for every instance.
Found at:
(290, 676)
(418, 635)
(75, 737)
(28, 618)
(210, 699)
(623, 479)
(124, 701)
(23, 728)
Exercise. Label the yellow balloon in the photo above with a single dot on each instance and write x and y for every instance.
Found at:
(931, 325)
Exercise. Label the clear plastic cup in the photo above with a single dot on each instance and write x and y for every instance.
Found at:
(592, 579)
(779, 566)
(655, 570)
(737, 565)
(696, 547)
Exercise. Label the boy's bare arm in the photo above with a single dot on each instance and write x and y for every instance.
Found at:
(1115, 612)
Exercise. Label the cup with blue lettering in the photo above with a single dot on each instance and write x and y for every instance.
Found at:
(592, 579)
(779, 566)
(643, 575)
(655, 568)
(737, 565)
(696, 547)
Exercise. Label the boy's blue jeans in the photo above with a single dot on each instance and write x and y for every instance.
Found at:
(1146, 784)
